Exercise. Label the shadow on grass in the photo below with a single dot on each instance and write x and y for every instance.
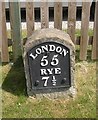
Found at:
(15, 81)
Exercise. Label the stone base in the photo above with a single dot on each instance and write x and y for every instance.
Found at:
(71, 92)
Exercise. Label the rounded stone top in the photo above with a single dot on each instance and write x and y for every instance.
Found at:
(46, 35)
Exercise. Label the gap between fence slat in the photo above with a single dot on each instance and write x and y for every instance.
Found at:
(30, 18)
(71, 20)
(58, 15)
(84, 30)
(4, 42)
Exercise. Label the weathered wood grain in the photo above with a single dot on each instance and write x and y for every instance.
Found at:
(58, 15)
(84, 30)
(44, 14)
(71, 20)
(30, 18)
(3, 35)
(95, 41)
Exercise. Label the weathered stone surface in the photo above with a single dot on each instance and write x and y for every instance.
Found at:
(50, 35)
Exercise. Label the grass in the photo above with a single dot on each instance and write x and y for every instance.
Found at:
(16, 103)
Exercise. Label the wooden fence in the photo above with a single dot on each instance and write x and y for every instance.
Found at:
(15, 21)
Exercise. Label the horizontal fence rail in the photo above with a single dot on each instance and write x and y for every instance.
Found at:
(15, 19)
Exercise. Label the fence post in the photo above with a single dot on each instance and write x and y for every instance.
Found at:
(58, 15)
(29, 18)
(71, 20)
(3, 36)
(95, 41)
(15, 20)
(84, 30)
(44, 14)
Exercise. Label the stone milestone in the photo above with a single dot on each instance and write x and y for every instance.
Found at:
(49, 58)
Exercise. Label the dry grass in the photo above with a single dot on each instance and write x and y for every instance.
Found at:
(17, 105)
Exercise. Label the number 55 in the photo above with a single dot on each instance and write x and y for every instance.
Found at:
(54, 61)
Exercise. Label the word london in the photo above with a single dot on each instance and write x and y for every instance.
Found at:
(49, 48)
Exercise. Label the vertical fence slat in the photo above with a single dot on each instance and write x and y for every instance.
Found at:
(44, 14)
(58, 15)
(71, 20)
(4, 46)
(84, 30)
(97, 31)
(30, 18)
(0, 30)
(95, 41)
(15, 21)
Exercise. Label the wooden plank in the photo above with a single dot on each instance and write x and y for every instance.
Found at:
(0, 30)
(3, 36)
(58, 15)
(44, 14)
(15, 21)
(30, 18)
(71, 20)
(84, 30)
(95, 41)
(97, 31)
